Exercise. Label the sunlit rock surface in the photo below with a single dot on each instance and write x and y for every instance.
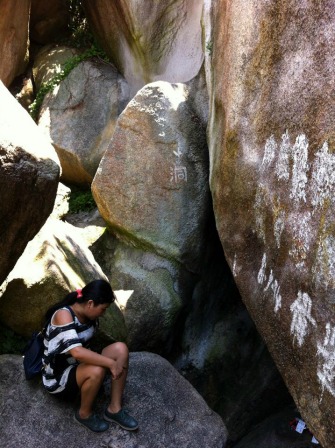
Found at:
(49, 61)
(271, 139)
(54, 263)
(79, 115)
(151, 41)
(14, 25)
(152, 183)
(29, 174)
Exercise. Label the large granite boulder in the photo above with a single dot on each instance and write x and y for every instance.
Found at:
(49, 62)
(29, 173)
(150, 41)
(170, 412)
(14, 26)
(61, 205)
(151, 187)
(221, 352)
(79, 115)
(198, 322)
(271, 138)
(149, 292)
(55, 262)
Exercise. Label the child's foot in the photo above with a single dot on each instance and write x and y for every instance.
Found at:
(122, 418)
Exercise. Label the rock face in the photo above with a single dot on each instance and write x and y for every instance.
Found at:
(149, 292)
(272, 177)
(80, 114)
(48, 20)
(170, 412)
(152, 183)
(222, 354)
(49, 61)
(156, 41)
(61, 205)
(61, 263)
(14, 24)
(29, 173)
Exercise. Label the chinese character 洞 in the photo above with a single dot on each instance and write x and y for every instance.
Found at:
(178, 174)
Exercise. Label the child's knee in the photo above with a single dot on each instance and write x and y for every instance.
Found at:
(121, 348)
(116, 350)
(97, 373)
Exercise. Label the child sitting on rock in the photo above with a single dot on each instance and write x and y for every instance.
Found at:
(71, 368)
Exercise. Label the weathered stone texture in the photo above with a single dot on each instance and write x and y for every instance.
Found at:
(271, 139)
(152, 183)
(151, 42)
(29, 173)
(147, 287)
(170, 412)
(55, 262)
(49, 61)
(14, 24)
(80, 114)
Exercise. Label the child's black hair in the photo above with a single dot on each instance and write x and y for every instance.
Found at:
(100, 291)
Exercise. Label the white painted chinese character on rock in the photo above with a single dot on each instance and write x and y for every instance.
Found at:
(326, 367)
(301, 310)
(300, 168)
(178, 174)
(272, 284)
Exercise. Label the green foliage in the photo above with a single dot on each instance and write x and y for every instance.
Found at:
(209, 47)
(80, 34)
(77, 14)
(79, 30)
(80, 37)
(81, 200)
(67, 67)
(10, 342)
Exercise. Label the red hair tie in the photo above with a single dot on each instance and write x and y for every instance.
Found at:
(79, 293)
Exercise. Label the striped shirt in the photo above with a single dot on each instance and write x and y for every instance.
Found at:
(58, 341)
